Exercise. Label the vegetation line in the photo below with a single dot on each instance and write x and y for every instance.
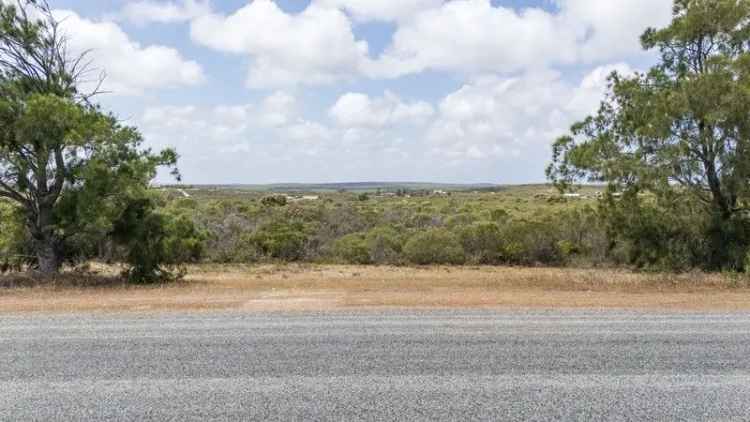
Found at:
(670, 146)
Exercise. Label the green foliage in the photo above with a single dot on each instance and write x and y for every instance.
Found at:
(482, 242)
(499, 215)
(274, 201)
(434, 246)
(280, 240)
(380, 245)
(385, 245)
(679, 132)
(533, 242)
(337, 229)
(155, 241)
(73, 171)
(353, 249)
(14, 243)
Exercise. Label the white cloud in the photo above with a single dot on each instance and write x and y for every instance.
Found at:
(270, 139)
(130, 67)
(229, 124)
(500, 117)
(381, 10)
(231, 127)
(591, 91)
(611, 29)
(306, 131)
(359, 110)
(278, 109)
(490, 118)
(476, 37)
(196, 129)
(144, 11)
(316, 46)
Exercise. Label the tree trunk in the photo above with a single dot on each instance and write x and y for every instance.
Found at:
(48, 257)
(46, 242)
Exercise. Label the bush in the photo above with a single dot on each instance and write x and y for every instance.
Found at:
(156, 243)
(385, 245)
(482, 242)
(532, 243)
(280, 240)
(352, 249)
(499, 215)
(274, 201)
(434, 246)
(15, 243)
(649, 237)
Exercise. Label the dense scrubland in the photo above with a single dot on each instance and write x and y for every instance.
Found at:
(525, 225)
(670, 148)
(521, 225)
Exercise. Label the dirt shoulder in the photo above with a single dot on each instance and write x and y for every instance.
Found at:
(325, 288)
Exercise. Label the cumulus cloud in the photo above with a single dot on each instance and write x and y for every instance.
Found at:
(316, 46)
(278, 109)
(272, 138)
(205, 130)
(474, 36)
(145, 11)
(225, 123)
(381, 10)
(194, 128)
(130, 67)
(359, 110)
(499, 117)
(611, 29)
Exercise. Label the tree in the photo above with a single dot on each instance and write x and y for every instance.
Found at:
(71, 168)
(680, 130)
(682, 124)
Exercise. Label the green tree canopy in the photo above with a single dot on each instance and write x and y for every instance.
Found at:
(681, 127)
(73, 170)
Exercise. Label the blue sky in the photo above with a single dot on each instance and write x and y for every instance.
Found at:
(354, 90)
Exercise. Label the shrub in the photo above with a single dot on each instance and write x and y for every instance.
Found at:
(482, 242)
(280, 240)
(499, 215)
(459, 220)
(226, 242)
(434, 246)
(649, 237)
(352, 249)
(274, 201)
(15, 243)
(155, 242)
(531, 243)
(385, 245)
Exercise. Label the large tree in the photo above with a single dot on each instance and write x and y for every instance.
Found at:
(682, 128)
(69, 167)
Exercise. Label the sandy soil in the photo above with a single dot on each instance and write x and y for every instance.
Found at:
(312, 288)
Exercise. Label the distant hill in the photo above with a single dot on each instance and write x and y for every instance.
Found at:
(352, 187)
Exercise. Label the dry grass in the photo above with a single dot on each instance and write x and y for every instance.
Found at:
(311, 287)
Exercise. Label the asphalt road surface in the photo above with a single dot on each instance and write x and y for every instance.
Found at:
(376, 366)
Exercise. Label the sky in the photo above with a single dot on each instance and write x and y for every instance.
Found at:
(264, 91)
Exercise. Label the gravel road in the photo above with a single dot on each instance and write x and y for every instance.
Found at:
(461, 365)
